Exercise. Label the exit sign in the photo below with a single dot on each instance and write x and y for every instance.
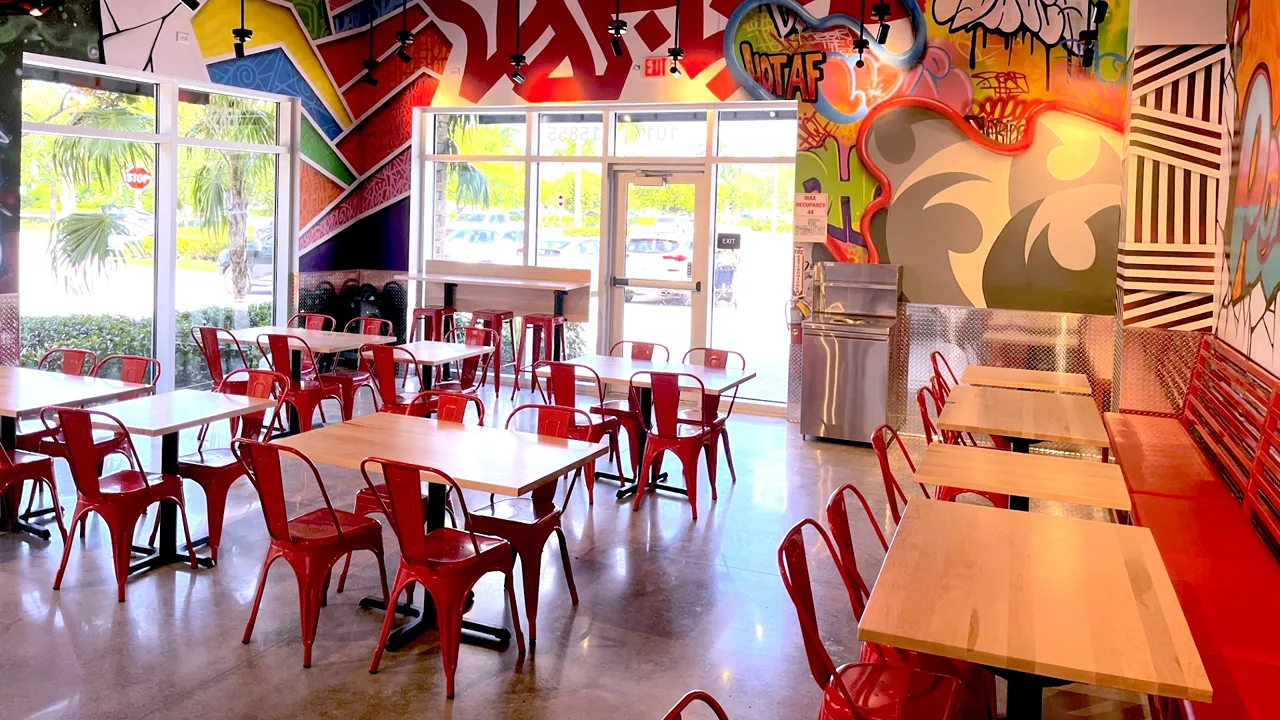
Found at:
(655, 66)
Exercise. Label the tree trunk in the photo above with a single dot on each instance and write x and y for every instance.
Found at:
(238, 223)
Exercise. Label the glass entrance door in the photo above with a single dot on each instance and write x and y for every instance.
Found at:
(659, 258)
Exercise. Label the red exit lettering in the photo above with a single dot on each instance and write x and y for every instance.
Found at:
(655, 66)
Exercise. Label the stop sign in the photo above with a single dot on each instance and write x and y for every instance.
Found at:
(138, 178)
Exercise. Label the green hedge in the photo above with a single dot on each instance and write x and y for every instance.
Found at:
(193, 244)
(121, 335)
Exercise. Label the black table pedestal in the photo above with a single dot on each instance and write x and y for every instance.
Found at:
(167, 551)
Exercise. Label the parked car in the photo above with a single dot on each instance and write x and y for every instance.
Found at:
(478, 245)
(578, 252)
(658, 258)
(260, 254)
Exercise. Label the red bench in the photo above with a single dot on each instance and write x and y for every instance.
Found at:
(1207, 485)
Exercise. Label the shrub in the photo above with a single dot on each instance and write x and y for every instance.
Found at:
(121, 335)
(193, 244)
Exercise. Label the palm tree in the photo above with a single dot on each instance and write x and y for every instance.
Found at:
(222, 188)
(472, 186)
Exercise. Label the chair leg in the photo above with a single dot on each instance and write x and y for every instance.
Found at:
(121, 550)
(590, 479)
(57, 507)
(77, 516)
(728, 455)
(531, 571)
(186, 531)
(515, 610)
(712, 463)
(515, 386)
(310, 599)
(342, 578)
(382, 574)
(389, 621)
(272, 556)
(568, 567)
(449, 621)
(215, 500)
(690, 463)
(652, 455)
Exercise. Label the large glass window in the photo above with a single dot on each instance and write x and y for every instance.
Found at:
(95, 237)
(480, 216)
(667, 134)
(480, 134)
(757, 133)
(571, 134)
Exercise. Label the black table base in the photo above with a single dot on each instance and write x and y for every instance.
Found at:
(1026, 693)
(473, 633)
(167, 551)
(1020, 445)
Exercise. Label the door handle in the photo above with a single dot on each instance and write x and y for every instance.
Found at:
(697, 286)
(620, 282)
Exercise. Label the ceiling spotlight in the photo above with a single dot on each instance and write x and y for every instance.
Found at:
(517, 62)
(675, 68)
(242, 34)
(617, 28)
(676, 52)
(1100, 11)
(369, 80)
(369, 63)
(1088, 56)
(517, 77)
(882, 34)
(404, 55)
(192, 5)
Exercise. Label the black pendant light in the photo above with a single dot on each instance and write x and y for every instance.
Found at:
(1097, 12)
(880, 11)
(403, 35)
(676, 52)
(617, 28)
(370, 64)
(518, 60)
(862, 44)
(241, 34)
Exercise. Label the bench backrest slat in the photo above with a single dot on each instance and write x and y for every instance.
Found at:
(1262, 495)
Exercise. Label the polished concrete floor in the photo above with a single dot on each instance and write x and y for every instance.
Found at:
(666, 605)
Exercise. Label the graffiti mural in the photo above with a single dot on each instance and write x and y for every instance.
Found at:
(1251, 265)
(1009, 96)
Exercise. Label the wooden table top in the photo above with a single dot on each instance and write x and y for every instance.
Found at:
(1039, 476)
(430, 352)
(1019, 379)
(1077, 600)
(157, 415)
(321, 341)
(618, 370)
(492, 281)
(480, 458)
(1051, 417)
(25, 390)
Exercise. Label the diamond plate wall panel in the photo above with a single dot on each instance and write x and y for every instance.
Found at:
(1156, 369)
(338, 294)
(10, 344)
(1012, 338)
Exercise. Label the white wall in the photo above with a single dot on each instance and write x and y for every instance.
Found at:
(1177, 22)
(132, 47)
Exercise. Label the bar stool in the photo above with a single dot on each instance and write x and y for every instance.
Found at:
(433, 317)
(542, 325)
(494, 319)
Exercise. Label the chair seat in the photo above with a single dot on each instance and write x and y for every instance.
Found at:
(44, 440)
(316, 527)
(126, 482)
(514, 510)
(358, 377)
(214, 458)
(694, 415)
(26, 460)
(446, 545)
(890, 693)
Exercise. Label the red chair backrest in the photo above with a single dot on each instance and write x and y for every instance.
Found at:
(666, 399)
(382, 368)
(714, 358)
(279, 352)
(368, 326)
(75, 430)
(925, 397)
(793, 564)
(74, 361)
(264, 384)
(676, 713)
(562, 382)
(448, 406)
(842, 535)
(261, 461)
(642, 350)
(404, 509)
(209, 341)
(133, 368)
(559, 422)
(939, 361)
(883, 437)
(473, 366)
(313, 321)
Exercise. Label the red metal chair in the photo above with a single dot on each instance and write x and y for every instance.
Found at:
(683, 440)
(858, 690)
(677, 712)
(433, 318)
(383, 371)
(312, 321)
(545, 329)
(942, 386)
(942, 492)
(638, 350)
(981, 698)
(217, 469)
(132, 369)
(306, 394)
(446, 561)
(449, 407)
(68, 361)
(494, 320)
(311, 543)
(18, 467)
(468, 369)
(882, 439)
(351, 380)
(528, 522)
(562, 390)
(120, 498)
(718, 359)
(209, 341)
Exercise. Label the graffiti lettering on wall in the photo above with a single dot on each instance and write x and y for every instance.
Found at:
(785, 75)
(1255, 218)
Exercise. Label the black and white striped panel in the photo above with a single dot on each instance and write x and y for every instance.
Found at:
(1192, 312)
(1155, 67)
